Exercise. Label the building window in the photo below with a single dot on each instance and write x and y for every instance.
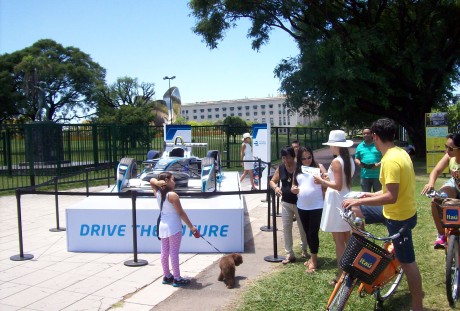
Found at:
(216, 109)
(246, 107)
(195, 117)
(271, 112)
(194, 110)
(272, 121)
(224, 115)
(263, 120)
(209, 109)
(224, 108)
(254, 106)
(209, 116)
(202, 117)
(263, 112)
(232, 114)
(201, 110)
(239, 108)
(270, 106)
(247, 114)
(232, 108)
(262, 106)
(255, 113)
(240, 114)
(217, 116)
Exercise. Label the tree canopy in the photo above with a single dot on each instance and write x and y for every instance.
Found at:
(49, 82)
(128, 101)
(358, 60)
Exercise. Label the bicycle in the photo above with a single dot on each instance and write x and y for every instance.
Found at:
(376, 269)
(449, 214)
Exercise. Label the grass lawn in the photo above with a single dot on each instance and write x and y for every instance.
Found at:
(290, 288)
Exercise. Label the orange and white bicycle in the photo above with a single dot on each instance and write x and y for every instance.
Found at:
(373, 268)
(449, 210)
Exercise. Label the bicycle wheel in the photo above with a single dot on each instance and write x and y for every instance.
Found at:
(452, 270)
(389, 289)
(339, 296)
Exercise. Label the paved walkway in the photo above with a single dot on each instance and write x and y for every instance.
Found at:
(59, 280)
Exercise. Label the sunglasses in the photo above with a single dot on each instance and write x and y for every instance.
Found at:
(306, 158)
(451, 148)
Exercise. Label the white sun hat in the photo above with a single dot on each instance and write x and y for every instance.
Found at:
(246, 135)
(338, 138)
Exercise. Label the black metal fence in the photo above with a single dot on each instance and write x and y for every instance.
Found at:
(35, 153)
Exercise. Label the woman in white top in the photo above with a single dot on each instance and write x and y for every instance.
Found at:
(169, 227)
(246, 155)
(309, 202)
(338, 183)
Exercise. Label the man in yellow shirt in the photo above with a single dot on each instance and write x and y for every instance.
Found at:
(398, 199)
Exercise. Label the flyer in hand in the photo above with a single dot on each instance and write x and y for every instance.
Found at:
(353, 195)
(311, 170)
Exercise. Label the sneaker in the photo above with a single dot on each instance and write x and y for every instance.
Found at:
(181, 282)
(440, 242)
(168, 280)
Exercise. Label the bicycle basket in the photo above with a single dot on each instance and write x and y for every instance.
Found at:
(451, 213)
(364, 259)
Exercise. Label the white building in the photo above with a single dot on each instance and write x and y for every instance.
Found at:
(258, 110)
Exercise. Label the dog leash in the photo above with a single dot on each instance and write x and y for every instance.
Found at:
(211, 244)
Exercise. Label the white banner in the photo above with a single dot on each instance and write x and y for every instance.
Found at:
(261, 143)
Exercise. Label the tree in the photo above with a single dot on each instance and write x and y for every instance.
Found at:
(128, 102)
(49, 82)
(236, 126)
(397, 59)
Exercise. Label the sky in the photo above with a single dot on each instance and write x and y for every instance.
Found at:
(148, 40)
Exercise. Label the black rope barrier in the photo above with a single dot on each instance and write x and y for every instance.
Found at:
(56, 201)
(21, 255)
(135, 262)
(130, 193)
(275, 257)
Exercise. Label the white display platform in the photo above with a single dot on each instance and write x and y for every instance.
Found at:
(104, 223)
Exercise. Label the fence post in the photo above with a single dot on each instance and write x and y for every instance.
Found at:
(21, 255)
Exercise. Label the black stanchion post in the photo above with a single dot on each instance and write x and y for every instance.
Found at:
(21, 255)
(275, 257)
(269, 177)
(56, 200)
(278, 207)
(136, 262)
(267, 227)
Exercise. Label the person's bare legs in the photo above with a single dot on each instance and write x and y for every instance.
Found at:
(414, 280)
(341, 240)
(251, 178)
(245, 172)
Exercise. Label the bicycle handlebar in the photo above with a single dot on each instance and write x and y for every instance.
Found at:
(356, 222)
(436, 194)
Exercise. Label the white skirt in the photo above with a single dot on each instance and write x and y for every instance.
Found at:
(331, 220)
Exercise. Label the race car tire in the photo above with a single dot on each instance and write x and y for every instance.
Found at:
(131, 165)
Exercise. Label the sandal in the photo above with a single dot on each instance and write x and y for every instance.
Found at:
(305, 254)
(311, 267)
(288, 260)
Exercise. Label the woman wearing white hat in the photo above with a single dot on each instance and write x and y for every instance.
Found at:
(338, 183)
(246, 155)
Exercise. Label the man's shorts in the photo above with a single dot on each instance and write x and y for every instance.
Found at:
(404, 246)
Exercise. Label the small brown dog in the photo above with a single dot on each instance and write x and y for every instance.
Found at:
(227, 268)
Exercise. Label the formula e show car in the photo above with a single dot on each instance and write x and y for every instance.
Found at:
(177, 159)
